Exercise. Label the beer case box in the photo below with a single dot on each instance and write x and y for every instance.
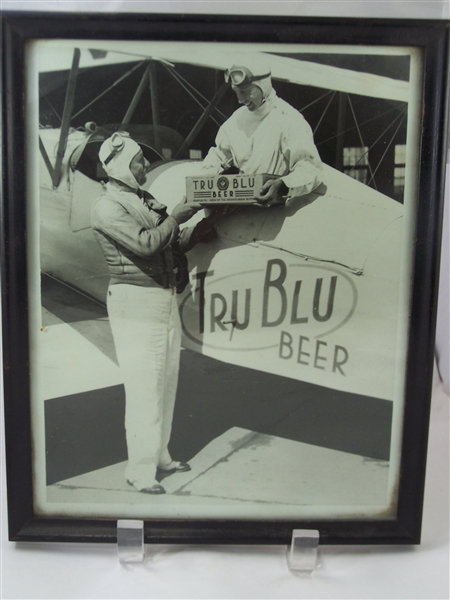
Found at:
(225, 189)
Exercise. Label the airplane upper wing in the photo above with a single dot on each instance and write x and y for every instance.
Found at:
(201, 54)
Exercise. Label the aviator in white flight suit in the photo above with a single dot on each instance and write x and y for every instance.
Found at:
(265, 135)
(137, 238)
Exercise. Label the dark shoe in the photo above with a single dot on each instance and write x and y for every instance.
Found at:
(175, 467)
(154, 489)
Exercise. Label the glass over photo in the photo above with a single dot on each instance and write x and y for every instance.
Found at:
(219, 264)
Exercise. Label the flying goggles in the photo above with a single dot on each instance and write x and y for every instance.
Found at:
(242, 76)
(117, 142)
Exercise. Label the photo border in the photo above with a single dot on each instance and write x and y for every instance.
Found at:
(433, 37)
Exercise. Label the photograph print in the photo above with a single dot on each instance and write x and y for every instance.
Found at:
(219, 268)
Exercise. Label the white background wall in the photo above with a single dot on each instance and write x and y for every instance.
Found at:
(74, 571)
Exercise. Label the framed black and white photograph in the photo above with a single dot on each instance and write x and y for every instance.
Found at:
(220, 255)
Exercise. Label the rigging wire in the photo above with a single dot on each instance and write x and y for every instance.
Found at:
(186, 86)
(324, 113)
(376, 141)
(52, 107)
(361, 139)
(317, 100)
(333, 137)
(188, 91)
(192, 87)
(179, 79)
(389, 145)
(127, 74)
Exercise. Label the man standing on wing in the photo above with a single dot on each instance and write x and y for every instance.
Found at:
(140, 241)
(265, 135)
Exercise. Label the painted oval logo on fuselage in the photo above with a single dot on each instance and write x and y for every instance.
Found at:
(250, 310)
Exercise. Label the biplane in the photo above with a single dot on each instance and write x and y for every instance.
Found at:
(309, 290)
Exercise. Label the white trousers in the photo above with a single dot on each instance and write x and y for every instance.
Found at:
(146, 327)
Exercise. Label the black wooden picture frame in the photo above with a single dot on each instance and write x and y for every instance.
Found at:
(429, 36)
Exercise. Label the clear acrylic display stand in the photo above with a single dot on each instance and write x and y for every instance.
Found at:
(302, 553)
(130, 541)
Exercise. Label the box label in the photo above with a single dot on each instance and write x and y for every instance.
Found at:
(224, 189)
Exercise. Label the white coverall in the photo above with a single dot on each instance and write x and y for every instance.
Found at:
(274, 139)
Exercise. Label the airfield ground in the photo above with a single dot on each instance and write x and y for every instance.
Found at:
(248, 437)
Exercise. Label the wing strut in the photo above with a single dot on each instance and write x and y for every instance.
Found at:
(67, 114)
(137, 96)
(47, 162)
(155, 103)
(149, 76)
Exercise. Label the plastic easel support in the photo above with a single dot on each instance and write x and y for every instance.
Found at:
(130, 541)
(302, 553)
